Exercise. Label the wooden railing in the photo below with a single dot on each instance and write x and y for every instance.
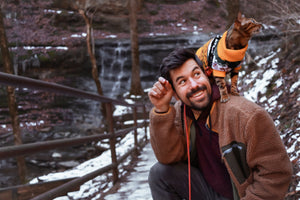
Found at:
(50, 190)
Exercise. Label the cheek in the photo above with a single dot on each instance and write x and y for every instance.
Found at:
(203, 81)
(181, 92)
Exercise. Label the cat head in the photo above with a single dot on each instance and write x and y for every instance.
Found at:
(248, 26)
(241, 31)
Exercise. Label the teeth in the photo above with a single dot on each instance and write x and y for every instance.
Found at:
(198, 94)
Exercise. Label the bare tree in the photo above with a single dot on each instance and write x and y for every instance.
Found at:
(285, 14)
(232, 7)
(84, 7)
(12, 104)
(136, 88)
(87, 8)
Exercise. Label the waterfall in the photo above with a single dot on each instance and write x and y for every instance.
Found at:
(113, 56)
(113, 71)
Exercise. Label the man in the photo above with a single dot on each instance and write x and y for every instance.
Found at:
(234, 148)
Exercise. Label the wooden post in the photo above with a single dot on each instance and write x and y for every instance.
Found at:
(12, 104)
(145, 121)
(135, 130)
(112, 141)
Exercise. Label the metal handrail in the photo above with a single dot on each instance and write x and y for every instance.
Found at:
(10, 151)
(24, 149)
(63, 189)
(25, 82)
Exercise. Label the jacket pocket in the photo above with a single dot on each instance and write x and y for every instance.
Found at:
(235, 155)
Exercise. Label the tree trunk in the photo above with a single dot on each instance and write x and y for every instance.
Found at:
(8, 67)
(233, 7)
(214, 2)
(95, 72)
(136, 88)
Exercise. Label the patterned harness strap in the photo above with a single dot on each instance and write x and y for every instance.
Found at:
(215, 62)
(204, 55)
(212, 48)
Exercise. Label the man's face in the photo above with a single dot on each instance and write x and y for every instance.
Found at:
(191, 85)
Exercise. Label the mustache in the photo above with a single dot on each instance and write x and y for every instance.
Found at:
(195, 90)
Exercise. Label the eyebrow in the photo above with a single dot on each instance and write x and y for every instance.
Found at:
(179, 77)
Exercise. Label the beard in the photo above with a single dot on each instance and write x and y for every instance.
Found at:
(199, 105)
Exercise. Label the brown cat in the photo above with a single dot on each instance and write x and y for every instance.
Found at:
(223, 55)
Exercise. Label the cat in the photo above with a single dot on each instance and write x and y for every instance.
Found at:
(223, 55)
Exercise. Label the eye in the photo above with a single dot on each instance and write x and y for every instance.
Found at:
(197, 74)
(181, 82)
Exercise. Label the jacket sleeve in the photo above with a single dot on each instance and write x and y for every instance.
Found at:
(267, 158)
(168, 142)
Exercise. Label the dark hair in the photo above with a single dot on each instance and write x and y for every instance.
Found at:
(174, 60)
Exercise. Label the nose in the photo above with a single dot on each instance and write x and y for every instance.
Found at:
(193, 83)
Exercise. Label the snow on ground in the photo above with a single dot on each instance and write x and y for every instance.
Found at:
(136, 187)
(260, 84)
(262, 79)
(101, 183)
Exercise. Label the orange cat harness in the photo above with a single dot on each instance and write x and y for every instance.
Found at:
(217, 60)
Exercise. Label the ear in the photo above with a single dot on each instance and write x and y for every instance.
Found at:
(175, 96)
(239, 17)
(238, 20)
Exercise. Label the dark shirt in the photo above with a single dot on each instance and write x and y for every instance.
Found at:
(208, 152)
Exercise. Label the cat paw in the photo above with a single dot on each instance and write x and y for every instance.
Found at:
(235, 93)
(224, 99)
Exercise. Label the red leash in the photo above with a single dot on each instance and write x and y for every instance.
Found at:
(188, 151)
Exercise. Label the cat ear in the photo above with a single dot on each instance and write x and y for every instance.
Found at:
(240, 16)
(238, 20)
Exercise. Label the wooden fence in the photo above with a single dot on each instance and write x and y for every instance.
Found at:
(50, 190)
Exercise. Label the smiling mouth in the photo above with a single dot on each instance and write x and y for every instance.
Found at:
(196, 92)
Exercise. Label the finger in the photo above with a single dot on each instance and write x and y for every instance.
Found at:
(158, 91)
(168, 85)
(154, 92)
(159, 87)
(165, 82)
(162, 80)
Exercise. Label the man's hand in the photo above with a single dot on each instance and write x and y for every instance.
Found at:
(161, 94)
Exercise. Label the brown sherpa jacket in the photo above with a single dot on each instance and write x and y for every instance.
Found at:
(251, 147)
